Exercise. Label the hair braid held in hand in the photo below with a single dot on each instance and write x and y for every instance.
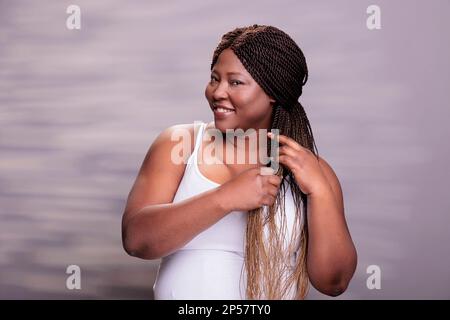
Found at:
(278, 65)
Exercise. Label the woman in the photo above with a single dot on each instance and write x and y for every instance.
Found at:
(226, 230)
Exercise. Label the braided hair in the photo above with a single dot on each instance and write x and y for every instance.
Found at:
(279, 66)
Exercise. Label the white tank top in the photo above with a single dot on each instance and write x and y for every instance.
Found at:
(212, 262)
(229, 232)
(226, 234)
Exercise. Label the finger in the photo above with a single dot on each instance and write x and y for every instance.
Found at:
(288, 161)
(270, 191)
(273, 191)
(268, 200)
(288, 150)
(274, 180)
(265, 171)
(288, 141)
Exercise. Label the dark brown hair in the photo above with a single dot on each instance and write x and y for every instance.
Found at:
(278, 65)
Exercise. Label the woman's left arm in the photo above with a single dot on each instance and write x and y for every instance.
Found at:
(331, 257)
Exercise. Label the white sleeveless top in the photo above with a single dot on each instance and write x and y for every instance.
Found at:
(211, 265)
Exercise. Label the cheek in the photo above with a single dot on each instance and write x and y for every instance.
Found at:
(243, 100)
(207, 92)
(252, 104)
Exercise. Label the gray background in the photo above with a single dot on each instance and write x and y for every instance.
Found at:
(79, 109)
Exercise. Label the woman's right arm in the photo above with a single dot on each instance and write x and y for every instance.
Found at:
(153, 226)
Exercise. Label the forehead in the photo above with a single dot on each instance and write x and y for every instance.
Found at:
(228, 62)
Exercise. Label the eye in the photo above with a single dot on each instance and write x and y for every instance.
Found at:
(235, 82)
(213, 79)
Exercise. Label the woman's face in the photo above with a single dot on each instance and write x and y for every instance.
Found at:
(232, 87)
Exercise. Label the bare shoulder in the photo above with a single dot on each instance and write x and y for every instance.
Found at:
(170, 149)
(333, 180)
(160, 174)
(171, 135)
(326, 168)
(179, 138)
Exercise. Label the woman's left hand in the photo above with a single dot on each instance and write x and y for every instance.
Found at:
(303, 164)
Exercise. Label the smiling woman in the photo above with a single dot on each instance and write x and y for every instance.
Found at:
(223, 229)
(236, 99)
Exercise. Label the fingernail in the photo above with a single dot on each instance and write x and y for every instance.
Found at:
(269, 134)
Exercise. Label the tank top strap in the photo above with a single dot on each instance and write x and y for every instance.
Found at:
(198, 140)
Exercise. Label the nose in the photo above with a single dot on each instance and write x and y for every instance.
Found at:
(220, 91)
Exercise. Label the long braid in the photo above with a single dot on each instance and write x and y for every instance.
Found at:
(278, 65)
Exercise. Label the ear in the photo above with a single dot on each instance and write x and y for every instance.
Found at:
(272, 100)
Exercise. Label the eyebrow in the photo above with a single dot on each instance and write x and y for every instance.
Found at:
(230, 73)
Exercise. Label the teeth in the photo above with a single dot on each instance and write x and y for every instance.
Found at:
(223, 110)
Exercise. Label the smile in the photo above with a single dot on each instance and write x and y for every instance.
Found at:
(222, 110)
(218, 108)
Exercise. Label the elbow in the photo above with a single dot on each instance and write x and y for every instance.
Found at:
(140, 250)
(138, 247)
(335, 290)
(331, 288)
(331, 283)
(130, 247)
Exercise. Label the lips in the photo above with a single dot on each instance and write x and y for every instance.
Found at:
(222, 112)
(217, 107)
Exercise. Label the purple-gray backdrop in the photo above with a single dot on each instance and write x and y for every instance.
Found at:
(79, 109)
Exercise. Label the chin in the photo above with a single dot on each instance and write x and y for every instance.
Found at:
(221, 126)
(224, 124)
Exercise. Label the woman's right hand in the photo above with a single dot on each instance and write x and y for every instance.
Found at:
(250, 189)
